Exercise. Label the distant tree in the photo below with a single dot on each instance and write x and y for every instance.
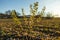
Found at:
(1, 13)
(49, 15)
(18, 14)
(8, 12)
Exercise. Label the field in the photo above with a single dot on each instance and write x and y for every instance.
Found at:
(46, 29)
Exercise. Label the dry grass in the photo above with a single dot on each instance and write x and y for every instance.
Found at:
(9, 27)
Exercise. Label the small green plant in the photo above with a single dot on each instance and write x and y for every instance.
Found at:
(33, 12)
(15, 19)
(49, 15)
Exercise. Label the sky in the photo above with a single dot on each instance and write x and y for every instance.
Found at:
(52, 6)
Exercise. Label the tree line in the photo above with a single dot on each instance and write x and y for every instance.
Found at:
(33, 11)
